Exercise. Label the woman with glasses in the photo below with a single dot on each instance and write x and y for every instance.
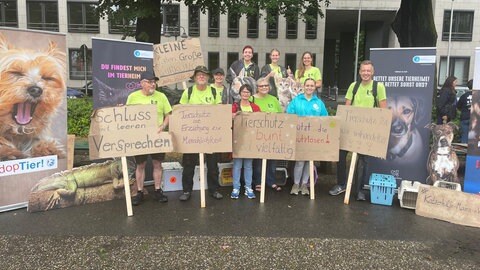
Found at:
(267, 103)
(274, 70)
(244, 105)
(305, 104)
(307, 70)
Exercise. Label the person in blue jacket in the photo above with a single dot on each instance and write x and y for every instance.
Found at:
(306, 104)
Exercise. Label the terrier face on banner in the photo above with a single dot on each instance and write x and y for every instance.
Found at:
(442, 161)
(32, 87)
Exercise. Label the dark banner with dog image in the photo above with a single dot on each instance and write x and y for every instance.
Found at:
(117, 67)
(408, 76)
(33, 118)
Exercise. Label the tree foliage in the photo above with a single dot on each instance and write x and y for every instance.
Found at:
(149, 19)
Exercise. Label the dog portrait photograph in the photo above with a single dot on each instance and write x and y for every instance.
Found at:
(474, 130)
(32, 92)
(405, 138)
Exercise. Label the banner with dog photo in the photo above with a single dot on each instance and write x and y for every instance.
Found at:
(117, 67)
(33, 118)
(408, 76)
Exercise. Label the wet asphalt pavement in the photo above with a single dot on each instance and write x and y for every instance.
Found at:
(286, 232)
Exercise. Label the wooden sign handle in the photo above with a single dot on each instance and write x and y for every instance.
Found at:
(264, 170)
(353, 163)
(202, 179)
(126, 185)
(312, 180)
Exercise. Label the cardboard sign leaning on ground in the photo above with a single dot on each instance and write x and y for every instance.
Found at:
(126, 131)
(202, 128)
(264, 135)
(318, 138)
(364, 130)
(449, 205)
(175, 61)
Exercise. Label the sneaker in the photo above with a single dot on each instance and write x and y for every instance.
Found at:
(361, 196)
(217, 195)
(249, 193)
(138, 199)
(235, 193)
(185, 196)
(304, 190)
(159, 196)
(337, 190)
(295, 189)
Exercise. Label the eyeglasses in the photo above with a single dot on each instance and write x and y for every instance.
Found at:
(263, 85)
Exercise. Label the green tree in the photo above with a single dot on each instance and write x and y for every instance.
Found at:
(149, 18)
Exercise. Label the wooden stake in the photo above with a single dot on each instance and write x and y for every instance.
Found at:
(312, 181)
(126, 185)
(264, 172)
(353, 163)
(202, 179)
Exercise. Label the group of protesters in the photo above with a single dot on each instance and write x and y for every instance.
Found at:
(260, 97)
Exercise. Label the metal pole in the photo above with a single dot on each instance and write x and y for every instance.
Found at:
(449, 41)
(358, 40)
(84, 47)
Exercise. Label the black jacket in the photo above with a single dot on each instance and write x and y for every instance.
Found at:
(273, 87)
(236, 67)
(446, 103)
(464, 104)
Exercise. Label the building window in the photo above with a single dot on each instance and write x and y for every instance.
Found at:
(42, 15)
(255, 58)
(267, 58)
(291, 61)
(232, 57)
(233, 25)
(292, 27)
(77, 64)
(252, 26)
(213, 24)
(311, 24)
(272, 24)
(213, 60)
(462, 25)
(119, 25)
(82, 18)
(194, 21)
(8, 13)
(171, 20)
(459, 67)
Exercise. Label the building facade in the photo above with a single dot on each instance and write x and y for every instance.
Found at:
(332, 39)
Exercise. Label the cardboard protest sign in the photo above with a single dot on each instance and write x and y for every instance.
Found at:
(264, 135)
(364, 130)
(318, 138)
(126, 131)
(202, 128)
(449, 205)
(175, 61)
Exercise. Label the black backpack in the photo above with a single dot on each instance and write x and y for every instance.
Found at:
(374, 92)
(214, 92)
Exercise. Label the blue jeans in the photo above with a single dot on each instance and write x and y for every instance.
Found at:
(464, 125)
(270, 171)
(238, 163)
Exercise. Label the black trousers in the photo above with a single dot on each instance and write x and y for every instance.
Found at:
(361, 171)
(189, 161)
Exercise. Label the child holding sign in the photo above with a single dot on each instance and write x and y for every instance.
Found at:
(244, 105)
(306, 104)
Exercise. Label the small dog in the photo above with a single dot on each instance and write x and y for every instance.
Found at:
(405, 142)
(442, 160)
(32, 87)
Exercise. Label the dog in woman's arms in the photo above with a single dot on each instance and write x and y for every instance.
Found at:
(32, 87)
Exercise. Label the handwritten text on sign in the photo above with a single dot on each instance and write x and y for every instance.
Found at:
(264, 135)
(202, 128)
(126, 131)
(449, 205)
(175, 61)
(364, 130)
(318, 138)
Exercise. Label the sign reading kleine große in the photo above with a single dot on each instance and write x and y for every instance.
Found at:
(126, 131)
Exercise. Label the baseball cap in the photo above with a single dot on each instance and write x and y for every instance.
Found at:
(148, 76)
(218, 70)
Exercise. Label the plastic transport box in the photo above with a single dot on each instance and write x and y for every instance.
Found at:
(382, 188)
(408, 194)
